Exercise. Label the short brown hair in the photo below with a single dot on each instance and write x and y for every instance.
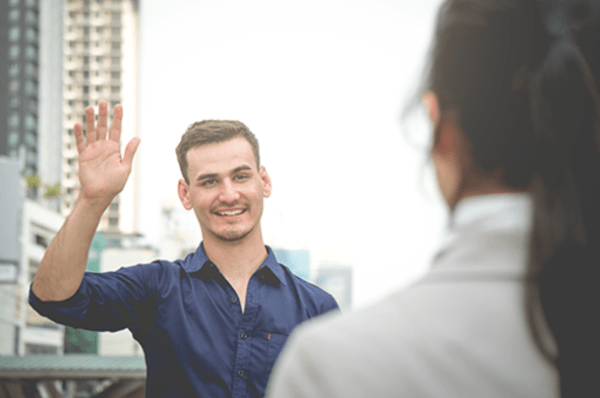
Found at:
(211, 132)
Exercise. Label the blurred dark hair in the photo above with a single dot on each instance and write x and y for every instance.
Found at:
(211, 132)
(528, 105)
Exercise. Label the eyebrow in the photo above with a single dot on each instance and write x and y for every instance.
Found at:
(215, 175)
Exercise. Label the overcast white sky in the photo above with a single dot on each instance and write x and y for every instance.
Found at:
(322, 84)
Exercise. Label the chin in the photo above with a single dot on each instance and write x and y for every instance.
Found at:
(233, 235)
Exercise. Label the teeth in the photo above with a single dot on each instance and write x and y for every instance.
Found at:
(230, 213)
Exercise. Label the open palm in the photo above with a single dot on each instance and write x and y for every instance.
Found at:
(102, 170)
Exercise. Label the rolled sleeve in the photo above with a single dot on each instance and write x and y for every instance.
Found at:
(106, 301)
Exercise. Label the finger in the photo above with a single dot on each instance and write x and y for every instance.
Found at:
(130, 150)
(90, 130)
(79, 140)
(102, 120)
(115, 126)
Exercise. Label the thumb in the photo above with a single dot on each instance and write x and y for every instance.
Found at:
(130, 150)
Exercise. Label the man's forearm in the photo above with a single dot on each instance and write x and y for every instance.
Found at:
(61, 270)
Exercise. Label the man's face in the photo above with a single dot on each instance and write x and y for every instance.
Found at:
(225, 190)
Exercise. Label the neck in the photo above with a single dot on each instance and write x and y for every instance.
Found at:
(485, 185)
(237, 260)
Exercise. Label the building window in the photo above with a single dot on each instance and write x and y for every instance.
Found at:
(86, 30)
(40, 240)
(30, 3)
(31, 141)
(72, 14)
(115, 75)
(86, 89)
(14, 51)
(14, 86)
(115, 61)
(13, 15)
(30, 70)
(30, 122)
(15, 102)
(71, 73)
(39, 349)
(99, 60)
(116, 32)
(14, 2)
(30, 52)
(86, 74)
(13, 119)
(31, 34)
(30, 88)
(14, 33)
(13, 138)
(115, 45)
(113, 222)
(71, 44)
(86, 60)
(115, 89)
(33, 267)
(13, 70)
(30, 17)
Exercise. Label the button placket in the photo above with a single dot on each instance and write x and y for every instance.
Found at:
(244, 345)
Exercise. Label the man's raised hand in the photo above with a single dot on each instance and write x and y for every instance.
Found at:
(102, 170)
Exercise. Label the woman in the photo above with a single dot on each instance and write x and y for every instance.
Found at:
(511, 305)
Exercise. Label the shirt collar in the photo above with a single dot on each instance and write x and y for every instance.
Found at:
(269, 271)
(486, 213)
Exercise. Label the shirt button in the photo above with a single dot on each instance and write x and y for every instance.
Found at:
(241, 373)
(244, 336)
(234, 300)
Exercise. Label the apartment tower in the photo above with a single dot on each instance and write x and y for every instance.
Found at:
(101, 46)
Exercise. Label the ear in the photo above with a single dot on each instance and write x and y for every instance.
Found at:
(444, 141)
(266, 181)
(184, 194)
(432, 104)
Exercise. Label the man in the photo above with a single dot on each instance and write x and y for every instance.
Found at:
(212, 324)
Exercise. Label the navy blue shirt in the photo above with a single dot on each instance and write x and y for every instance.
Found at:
(189, 321)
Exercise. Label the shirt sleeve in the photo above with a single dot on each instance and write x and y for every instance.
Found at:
(107, 301)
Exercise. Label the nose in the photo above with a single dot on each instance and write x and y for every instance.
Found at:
(229, 193)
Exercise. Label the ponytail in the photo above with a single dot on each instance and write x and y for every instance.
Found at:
(564, 265)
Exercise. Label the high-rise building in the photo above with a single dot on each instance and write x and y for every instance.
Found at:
(19, 66)
(101, 45)
(31, 90)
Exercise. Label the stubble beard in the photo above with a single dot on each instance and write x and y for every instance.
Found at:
(234, 235)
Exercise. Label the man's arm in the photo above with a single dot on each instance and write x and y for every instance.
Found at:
(102, 174)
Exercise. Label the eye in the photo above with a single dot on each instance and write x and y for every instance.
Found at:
(240, 177)
(206, 183)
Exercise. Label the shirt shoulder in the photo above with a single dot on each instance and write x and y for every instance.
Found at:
(408, 344)
(315, 299)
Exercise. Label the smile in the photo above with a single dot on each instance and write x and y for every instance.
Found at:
(230, 212)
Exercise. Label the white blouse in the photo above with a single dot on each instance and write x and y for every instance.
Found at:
(460, 331)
